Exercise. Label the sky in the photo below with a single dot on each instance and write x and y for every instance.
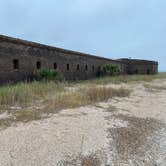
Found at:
(109, 28)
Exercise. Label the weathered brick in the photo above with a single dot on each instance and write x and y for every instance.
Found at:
(29, 53)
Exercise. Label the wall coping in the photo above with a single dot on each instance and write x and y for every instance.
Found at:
(43, 46)
(137, 61)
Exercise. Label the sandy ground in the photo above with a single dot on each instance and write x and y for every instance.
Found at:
(121, 132)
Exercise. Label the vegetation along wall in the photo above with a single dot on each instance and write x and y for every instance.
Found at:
(20, 60)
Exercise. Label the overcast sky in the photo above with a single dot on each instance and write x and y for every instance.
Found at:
(109, 28)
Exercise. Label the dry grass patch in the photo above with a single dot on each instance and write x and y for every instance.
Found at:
(84, 96)
(20, 101)
(154, 88)
(27, 115)
(21, 116)
(123, 79)
(63, 101)
(6, 122)
(131, 140)
(112, 109)
(23, 94)
(90, 160)
(53, 101)
(98, 94)
(82, 160)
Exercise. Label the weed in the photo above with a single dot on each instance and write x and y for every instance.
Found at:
(112, 109)
(82, 160)
(154, 88)
(50, 75)
(26, 115)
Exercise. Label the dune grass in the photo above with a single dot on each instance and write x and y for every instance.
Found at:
(84, 96)
(123, 79)
(23, 93)
(154, 88)
(53, 100)
(20, 100)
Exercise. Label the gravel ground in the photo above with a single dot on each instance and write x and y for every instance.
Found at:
(123, 131)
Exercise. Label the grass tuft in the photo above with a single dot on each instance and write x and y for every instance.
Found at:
(82, 160)
(84, 96)
(112, 109)
(26, 115)
(98, 94)
(154, 88)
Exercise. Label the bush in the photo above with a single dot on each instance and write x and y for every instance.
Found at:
(50, 75)
(111, 70)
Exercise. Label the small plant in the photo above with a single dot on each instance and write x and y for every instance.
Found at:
(99, 94)
(83, 96)
(26, 115)
(50, 75)
(112, 109)
(82, 160)
(154, 88)
(111, 70)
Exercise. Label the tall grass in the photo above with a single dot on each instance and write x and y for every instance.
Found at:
(24, 93)
(123, 79)
(84, 96)
(57, 96)
(97, 94)
(54, 98)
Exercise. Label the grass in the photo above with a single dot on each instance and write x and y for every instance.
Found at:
(23, 115)
(26, 115)
(133, 140)
(112, 109)
(37, 100)
(62, 99)
(84, 96)
(82, 160)
(23, 93)
(154, 88)
(124, 79)
(6, 122)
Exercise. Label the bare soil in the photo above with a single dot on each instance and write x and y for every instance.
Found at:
(122, 131)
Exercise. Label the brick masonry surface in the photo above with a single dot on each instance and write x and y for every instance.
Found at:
(20, 60)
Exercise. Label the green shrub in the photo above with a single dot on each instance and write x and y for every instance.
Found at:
(110, 70)
(50, 75)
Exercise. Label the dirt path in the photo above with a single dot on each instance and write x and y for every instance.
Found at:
(123, 131)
